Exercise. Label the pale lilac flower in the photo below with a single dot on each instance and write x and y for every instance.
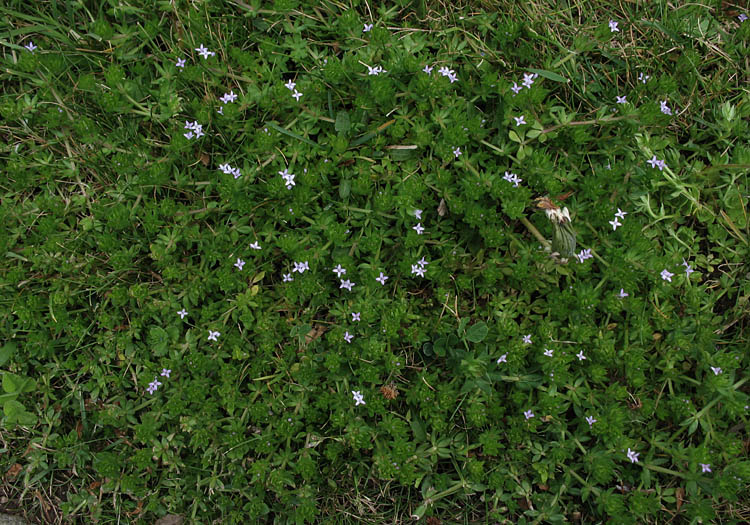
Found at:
(30, 46)
(255, 246)
(705, 467)
(613, 27)
(346, 284)
(633, 456)
(368, 27)
(623, 293)
(621, 214)
(417, 270)
(165, 372)
(296, 95)
(422, 262)
(527, 339)
(189, 135)
(519, 120)
(580, 356)
(528, 80)
(664, 108)
(661, 165)
(502, 359)
(583, 255)
(375, 70)
(348, 337)
(180, 62)
(339, 271)
(287, 278)
(226, 168)
(528, 414)
(667, 275)
(457, 152)
(204, 52)
(622, 100)
(427, 69)
(382, 279)
(356, 316)
(418, 214)
(229, 97)
(656, 163)
(548, 352)
(516, 89)
(590, 420)
(742, 17)
(444, 71)
(688, 271)
(199, 132)
(220, 111)
(453, 77)
(182, 313)
(716, 370)
(358, 398)
(237, 173)
(615, 223)
(418, 228)
(239, 264)
(512, 178)
(643, 78)
(290, 85)
(212, 336)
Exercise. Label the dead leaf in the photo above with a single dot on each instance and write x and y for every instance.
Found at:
(170, 519)
(315, 333)
(442, 208)
(205, 159)
(679, 495)
(13, 472)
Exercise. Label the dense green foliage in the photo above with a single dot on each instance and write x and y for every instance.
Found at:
(485, 379)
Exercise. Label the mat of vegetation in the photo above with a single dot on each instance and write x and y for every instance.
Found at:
(351, 262)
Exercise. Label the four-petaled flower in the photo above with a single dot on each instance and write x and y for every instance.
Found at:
(346, 284)
(212, 336)
(427, 69)
(368, 27)
(287, 277)
(519, 120)
(502, 359)
(239, 264)
(705, 467)
(204, 52)
(30, 46)
(153, 386)
(622, 100)
(583, 255)
(165, 372)
(528, 414)
(418, 214)
(527, 339)
(613, 27)
(548, 352)
(416, 269)
(180, 62)
(528, 80)
(716, 370)
(621, 214)
(742, 17)
(182, 313)
(516, 89)
(667, 275)
(418, 228)
(255, 246)
(382, 279)
(356, 316)
(339, 271)
(358, 398)
(457, 152)
(615, 223)
(633, 456)
(348, 337)
(229, 97)
(590, 420)
(656, 163)
(664, 108)
(296, 95)
(290, 85)
(623, 293)
(580, 356)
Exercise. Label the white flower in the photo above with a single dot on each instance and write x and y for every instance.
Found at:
(417, 269)
(548, 352)
(667, 275)
(290, 85)
(212, 336)
(189, 135)
(621, 214)
(528, 79)
(613, 27)
(165, 372)
(346, 284)
(356, 316)
(418, 228)
(30, 46)
(382, 279)
(348, 336)
(457, 152)
(643, 78)
(220, 111)
(632, 456)
(296, 95)
(204, 52)
(615, 223)
(418, 214)
(716, 370)
(226, 168)
(528, 414)
(237, 173)
(516, 89)
(339, 271)
(368, 27)
(590, 420)
(180, 62)
(427, 69)
(358, 398)
(655, 163)
(502, 359)
(182, 313)
(664, 108)
(623, 293)
(239, 264)
(287, 277)
(519, 120)
(255, 246)
(580, 356)
(622, 100)
(527, 339)
(229, 97)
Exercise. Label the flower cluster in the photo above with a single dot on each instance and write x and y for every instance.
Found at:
(288, 178)
(195, 130)
(291, 86)
(358, 398)
(204, 52)
(446, 72)
(155, 384)
(419, 268)
(512, 178)
(656, 163)
(583, 255)
(229, 170)
(619, 215)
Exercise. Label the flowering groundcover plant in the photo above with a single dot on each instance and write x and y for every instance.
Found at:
(287, 263)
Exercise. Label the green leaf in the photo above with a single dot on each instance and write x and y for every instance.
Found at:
(13, 383)
(477, 332)
(343, 123)
(291, 134)
(15, 412)
(549, 74)
(6, 352)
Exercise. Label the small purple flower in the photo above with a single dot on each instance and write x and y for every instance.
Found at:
(457, 152)
(356, 316)
(427, 69)
(182, 313)
(339, 271)
(358, 398)
(528, 80)
(348, 337)
(590, 420)
(621, 214)
(212, 336)
(615, 223)
(346, 284)
(239, 264)
(548, 352)
(742, 17)
(705, 467)
(255, 246)
(623, 293)
(519, 120)
(382, 279)
(716, 370)
(287, 278)
(613, 27)
(528, 414)
(30, 46)
(667, 275)
(622, 99)
(165, 372)
(204, 52)
(502, 359)
(180, 62)
(516, 89)
(665, 108)
(417, 270)
(290, 85)
(296, 95)
(229, 97)
(527, 339)
(580, 356)
(583, 255)
(418, 228)
(418, 214)
(368, 27)
(633, 456)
